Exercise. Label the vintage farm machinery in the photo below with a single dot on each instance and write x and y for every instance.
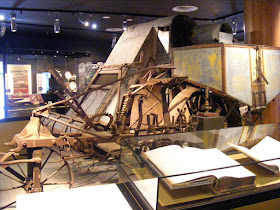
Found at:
(131, 95)
(87, 137)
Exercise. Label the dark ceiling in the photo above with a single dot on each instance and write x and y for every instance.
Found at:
(36, 17)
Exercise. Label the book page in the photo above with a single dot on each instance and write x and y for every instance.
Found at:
(173, 160)
(168, 159)
(244, 150)
(207, 159)
(266, 149)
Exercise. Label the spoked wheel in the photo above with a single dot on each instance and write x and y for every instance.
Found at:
(41, 170)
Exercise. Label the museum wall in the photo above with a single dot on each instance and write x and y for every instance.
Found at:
(44, 53)
(99, 50)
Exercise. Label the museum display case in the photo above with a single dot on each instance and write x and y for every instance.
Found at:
(227, 168)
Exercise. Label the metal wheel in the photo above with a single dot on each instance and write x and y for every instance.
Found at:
(32, 174)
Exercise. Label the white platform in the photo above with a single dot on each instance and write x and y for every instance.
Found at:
(106, 196)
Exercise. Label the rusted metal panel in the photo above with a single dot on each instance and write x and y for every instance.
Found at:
(201, 65)
(209, 33)
(232, 70)
(271, 65)
(238, 76)
(224, 60)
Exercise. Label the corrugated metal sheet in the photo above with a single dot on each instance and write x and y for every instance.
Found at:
(132, 39)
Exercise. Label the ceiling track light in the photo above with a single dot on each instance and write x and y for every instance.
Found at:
(234, 26)
(84, 22)
(124, 25)
(13, 22)
(114, 41)
(3, 29)
(94, 25)
(56, 25)
(130, 19)
(2, 17)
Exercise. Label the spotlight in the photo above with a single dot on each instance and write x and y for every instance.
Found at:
(94, 26)
(124, 25)
(86, 23)
(13, 22)
(234, 26)
(56, 26)
(2, 17)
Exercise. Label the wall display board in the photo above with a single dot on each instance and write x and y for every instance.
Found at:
(43, 82)
(21, 85)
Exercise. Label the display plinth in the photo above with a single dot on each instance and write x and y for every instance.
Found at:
(149, 187)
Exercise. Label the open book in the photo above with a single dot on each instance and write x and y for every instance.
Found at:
(174, 160)
(266, 149)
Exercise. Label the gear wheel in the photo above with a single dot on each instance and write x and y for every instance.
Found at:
(98, 126)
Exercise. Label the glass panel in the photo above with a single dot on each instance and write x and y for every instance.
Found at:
(185, 170)
(2, 97)
(136, 174)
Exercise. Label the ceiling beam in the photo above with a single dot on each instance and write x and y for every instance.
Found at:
(18, 3)
(108, 13)
(227, 16)
(79, 11)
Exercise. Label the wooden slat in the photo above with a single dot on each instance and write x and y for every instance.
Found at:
(104, 88)
(109, 71)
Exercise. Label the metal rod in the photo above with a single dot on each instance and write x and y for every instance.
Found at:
(69, 125)
(230, 110)
(11, 177)
(78, 11)
(33, 160)
(55, 183)
(12, 188)
(46, 160)
(78, 109)
(19, 167)
(3, 207)
(50, 176)
(226, 16)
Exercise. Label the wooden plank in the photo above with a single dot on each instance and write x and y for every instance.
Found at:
(224, 72)
(150, 105)
(104, 88)
(109, 71)
(179, 101)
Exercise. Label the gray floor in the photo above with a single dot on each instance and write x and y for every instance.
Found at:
(101, 173)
